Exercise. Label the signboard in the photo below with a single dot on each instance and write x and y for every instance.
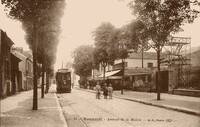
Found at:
(178, 40)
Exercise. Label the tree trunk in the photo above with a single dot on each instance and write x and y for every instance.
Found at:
(47, 82)
(142, 57)
(158, 82)
(93, 73)
(104, 71)
(43, 71)
(122, 85)
(35, 102)
(1, 63)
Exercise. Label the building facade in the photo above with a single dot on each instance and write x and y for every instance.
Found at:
(25, 68)
(15, 74)
(139, 72)
(5, 64)
(195, 58)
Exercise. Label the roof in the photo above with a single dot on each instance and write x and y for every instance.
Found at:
(63, 70)
(15, 57)
(195, 49)
(146, 55)
(19, 55)
(28, 54)
(5, 38)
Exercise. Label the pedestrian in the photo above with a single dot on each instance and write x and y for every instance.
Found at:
(98, 91)
(105, 91)
(110, 91)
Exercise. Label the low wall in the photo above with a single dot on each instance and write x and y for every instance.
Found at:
(185, 92)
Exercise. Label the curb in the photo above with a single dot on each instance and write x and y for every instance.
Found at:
(163, 106)
(179, 109)
(60, 112)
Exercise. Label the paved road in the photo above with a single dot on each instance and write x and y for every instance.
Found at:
(81, 109)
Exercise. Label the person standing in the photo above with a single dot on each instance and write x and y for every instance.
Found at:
(110, 91)
(98, 91)
(105, 91)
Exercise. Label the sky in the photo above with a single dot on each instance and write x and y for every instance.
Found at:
(81, 17)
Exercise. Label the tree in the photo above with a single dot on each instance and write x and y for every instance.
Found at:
(139, 36)
(125, 41)
(32, 14)
(83, 61)
(104, 53)
(28, 13)
(161, 18)
(118, 41)
(68, 65)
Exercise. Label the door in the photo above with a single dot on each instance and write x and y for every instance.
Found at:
(164, 81)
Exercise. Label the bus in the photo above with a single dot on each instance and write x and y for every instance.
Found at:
(63, 81)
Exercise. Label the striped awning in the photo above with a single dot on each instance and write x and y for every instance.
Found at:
(108, 74)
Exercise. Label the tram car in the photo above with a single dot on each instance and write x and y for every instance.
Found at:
(63, 81)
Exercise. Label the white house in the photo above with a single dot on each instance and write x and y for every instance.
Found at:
(135, 60)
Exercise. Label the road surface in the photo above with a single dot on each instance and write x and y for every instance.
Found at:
(81, 109)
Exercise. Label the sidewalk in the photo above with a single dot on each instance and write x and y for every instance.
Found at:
(184, 104)
(17, 111)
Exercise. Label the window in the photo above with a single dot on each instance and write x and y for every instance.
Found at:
(150, 65)
(125, 64)
(7, 69)
(149, 78)
(126, 78)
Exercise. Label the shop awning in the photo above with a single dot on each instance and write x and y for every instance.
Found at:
(95, 78)
(137, 74)
(115, 77)
(137, 71)
(108, 74)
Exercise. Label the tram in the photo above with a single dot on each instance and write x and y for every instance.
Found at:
(63, 81)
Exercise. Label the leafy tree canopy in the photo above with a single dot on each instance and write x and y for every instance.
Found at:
(103, 47)
(45, 15)
(162, 17)
(83, 60)
(138, 35)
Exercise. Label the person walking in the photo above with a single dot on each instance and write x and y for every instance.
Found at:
(105, 91)
(110, 91)
(98, 91)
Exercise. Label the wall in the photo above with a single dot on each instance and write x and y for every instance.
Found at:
(29, 75)
(173, 78)
(107, 68)
(5, 83)
(138, 62)
(195, 58)
(22, 69)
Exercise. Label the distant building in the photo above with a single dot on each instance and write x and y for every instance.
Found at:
(135, 76)
(25, 68)
(15, 74)
(195, 58)
(5, 64)
(135, 60)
